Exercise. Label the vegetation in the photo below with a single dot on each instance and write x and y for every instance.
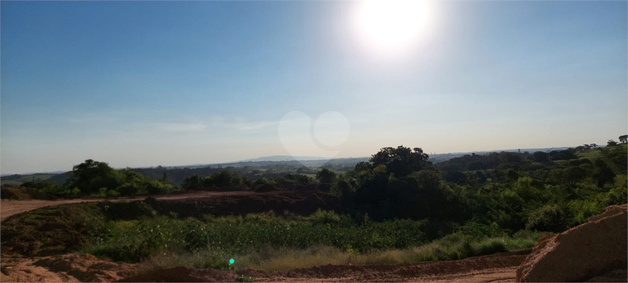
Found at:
(396, 207)
(96, 179)
(514, 191)
(134, 232)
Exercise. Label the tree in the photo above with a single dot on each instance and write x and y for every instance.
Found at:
(566, 154)
(611, 143)
(222, 179)
(602, 173)
(574, 174)
(455, 177)
(401, 161)
(91, 175)
(192, 183)
(541, 157)
(326, 176)
(362, 166)
(547, 218)
(623, 139)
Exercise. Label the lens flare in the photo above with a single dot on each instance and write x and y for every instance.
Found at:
(393, 23)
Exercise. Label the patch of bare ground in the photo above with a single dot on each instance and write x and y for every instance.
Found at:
(595, 251)
(87, 268)
(12, 207)
(65, 268)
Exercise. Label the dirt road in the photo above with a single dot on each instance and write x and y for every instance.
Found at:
(74, 268)
(12, 207)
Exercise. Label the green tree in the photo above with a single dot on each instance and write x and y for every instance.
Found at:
(602, 173)
(91, 175)
(574, 174)
(192, 183)
(326, 176)
(222, 179)
(541, 157)
(549, 218)
(401, 161)
(363, 166)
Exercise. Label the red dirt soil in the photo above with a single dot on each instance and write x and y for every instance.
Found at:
(12, 207)
(87, 268)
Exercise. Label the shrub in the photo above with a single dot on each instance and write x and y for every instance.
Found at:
(155, 187)
(547, 218)
(128, 189)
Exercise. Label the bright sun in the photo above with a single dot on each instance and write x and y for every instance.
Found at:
(393, 23)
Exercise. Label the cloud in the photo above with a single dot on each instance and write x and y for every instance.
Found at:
(217, 125)
(239, 125)
(182, 127)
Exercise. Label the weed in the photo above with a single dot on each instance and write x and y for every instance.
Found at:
(243, 278)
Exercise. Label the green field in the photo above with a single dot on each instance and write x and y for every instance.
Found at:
(17, 180)
(261, 241)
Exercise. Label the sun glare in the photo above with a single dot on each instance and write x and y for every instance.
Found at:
(393, 23)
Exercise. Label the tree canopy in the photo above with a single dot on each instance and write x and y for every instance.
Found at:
(401, 161)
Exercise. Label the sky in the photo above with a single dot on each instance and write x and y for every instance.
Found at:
(138, 84)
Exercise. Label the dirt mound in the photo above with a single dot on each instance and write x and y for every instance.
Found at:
(182, 274)
(66, 268)
(580, 253)
(265, 188)
(87, 268)
(50, 230)
(23, 193)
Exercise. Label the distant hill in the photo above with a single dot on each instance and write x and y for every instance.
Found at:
(441, 157)
(286, 158)
(252, 168)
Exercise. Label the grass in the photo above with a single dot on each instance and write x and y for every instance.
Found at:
(133, 232)
(268, 242)
(138, 240)
(590, 154)
(283, 259)
(243, 278)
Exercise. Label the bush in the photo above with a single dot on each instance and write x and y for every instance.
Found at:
(478, 230)
(329, 217)
(489, 246)
(128, 189)
(264, 181)
(526, 235)
(155, 187)
(129, 253)
(617, 195)
(547, 218)
(222, 179)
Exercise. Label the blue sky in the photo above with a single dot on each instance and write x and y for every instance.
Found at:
(174, 83)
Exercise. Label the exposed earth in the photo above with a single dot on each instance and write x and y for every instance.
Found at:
(12, 207)
(87, 268)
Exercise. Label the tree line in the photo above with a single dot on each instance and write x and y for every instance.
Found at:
(508, 191)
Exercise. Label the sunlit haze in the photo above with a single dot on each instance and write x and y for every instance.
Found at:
(395, 24)
(175, 83)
